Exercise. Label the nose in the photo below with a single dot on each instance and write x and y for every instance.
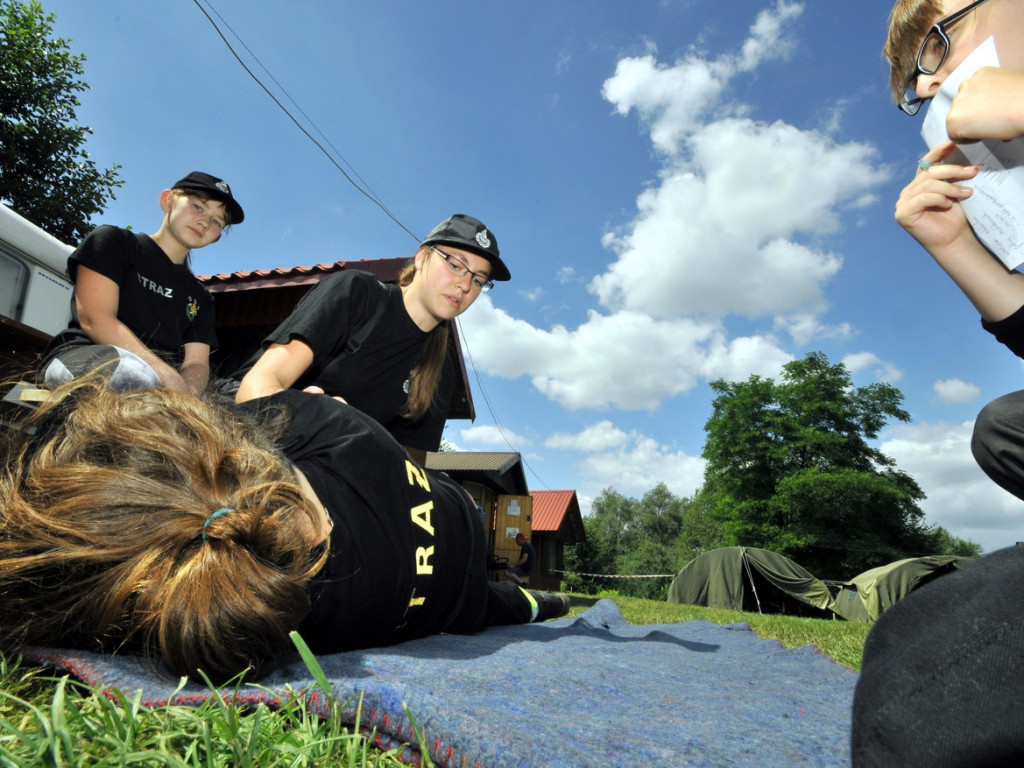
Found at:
(928, 85)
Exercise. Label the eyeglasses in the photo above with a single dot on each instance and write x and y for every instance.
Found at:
(931, 56)
(458, 267)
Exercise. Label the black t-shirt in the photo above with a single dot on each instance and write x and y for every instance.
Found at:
(161, 302)
(375, 377)
(1009, 331)
(408, 555)
(528, 550)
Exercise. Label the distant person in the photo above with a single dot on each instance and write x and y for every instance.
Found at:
(201, 533)
(383, 348)
(137, 310)
(520, 570)
(943, 668)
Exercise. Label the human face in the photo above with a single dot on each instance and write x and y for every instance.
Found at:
(438, 292)
(944, 47)
(192, 221)
(459, 268)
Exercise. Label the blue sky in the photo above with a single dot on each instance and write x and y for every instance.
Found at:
(683, 190)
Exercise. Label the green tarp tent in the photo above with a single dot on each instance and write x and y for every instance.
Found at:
(749, 579)
(872, 593)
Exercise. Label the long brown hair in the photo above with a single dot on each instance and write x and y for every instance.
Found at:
(909, 21)
(426, 376)
(107, 539)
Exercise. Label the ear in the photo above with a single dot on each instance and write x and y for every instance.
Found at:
(421, 254)
(166, 200)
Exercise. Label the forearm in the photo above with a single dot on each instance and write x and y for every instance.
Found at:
(258, 384)
(112, 331)
(277, 369)
(196, 376)
(995, 291)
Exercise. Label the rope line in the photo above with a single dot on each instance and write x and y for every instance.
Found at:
(619, 576)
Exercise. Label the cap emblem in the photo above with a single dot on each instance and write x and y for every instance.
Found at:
(482, 239)
(223, 187)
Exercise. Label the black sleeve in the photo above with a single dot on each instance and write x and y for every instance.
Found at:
(325, 317)
(1009, 331)
(107, 250)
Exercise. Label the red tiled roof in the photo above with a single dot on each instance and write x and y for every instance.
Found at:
(385, 269)
(550, 508)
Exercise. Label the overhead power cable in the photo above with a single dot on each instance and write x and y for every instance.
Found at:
(361, 186)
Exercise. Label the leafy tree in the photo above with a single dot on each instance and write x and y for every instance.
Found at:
(45, 173)
(790, 467)
(630, 536)
(702, 529)
(947, 544)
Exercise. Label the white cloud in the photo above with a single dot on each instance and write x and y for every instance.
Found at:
(961, 498)
(491, 436)
(597, 437)
(673, 100)
(955, 391)
(881, 370)
(728, 227)
(640, 464)
(766, 39)
(533, 294)
(626, 360)
(631, 463)
(735, 225)
(803, 328)
(726, 239)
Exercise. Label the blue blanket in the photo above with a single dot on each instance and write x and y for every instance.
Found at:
(592, 690)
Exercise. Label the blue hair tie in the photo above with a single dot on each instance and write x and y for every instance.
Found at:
(213, 517)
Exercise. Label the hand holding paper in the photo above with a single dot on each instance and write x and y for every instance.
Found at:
(996, 209)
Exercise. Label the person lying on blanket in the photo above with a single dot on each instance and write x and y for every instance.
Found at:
(202, 532)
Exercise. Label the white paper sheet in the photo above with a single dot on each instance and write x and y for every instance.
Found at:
(996, 209)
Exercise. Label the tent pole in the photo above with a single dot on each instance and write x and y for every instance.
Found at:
(746, 565)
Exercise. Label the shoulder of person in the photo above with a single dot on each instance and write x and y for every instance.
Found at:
(105, 235)
(362, 289)
(106, 249)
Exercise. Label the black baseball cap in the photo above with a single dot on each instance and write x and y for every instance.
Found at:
(469, 234)
(216, 189)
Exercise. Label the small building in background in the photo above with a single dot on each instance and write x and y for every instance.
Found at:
(557, 522)
(550, 520)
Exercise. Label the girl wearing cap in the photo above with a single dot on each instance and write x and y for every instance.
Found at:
(137, 310)
(159, 523)
(383, 348)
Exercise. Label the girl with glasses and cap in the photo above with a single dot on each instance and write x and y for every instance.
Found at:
(382, 348)
(201, 533)
(137, 310)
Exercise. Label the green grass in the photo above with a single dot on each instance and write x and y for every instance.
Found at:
(48, 721)
(841, 640)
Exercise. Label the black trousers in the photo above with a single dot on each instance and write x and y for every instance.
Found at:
(942, 678)
(506, 604)
(998, 442)
(485, 603)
